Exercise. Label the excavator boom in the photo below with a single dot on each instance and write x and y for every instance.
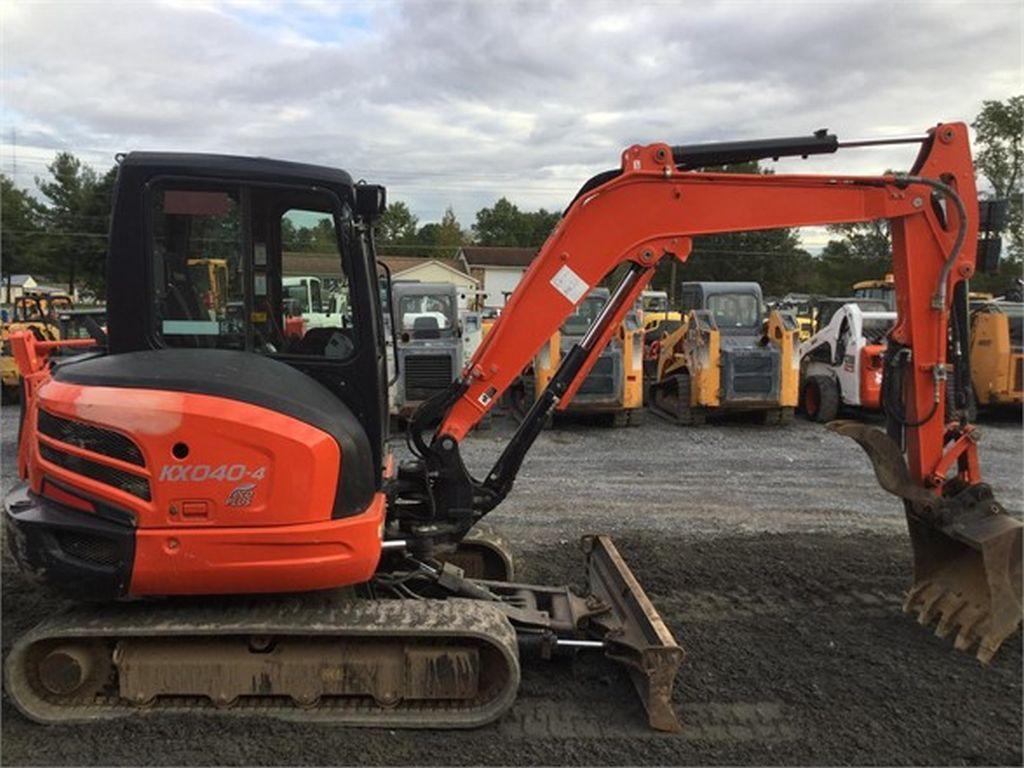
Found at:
(650, 209)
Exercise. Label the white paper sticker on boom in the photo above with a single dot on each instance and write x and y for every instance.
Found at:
(569, 284)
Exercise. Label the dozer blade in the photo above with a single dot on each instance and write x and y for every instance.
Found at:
(634, 632)
(967, 551)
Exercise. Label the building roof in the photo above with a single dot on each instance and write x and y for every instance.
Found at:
(403, 263)
(19, 280)
(493, 256)
(299, 263)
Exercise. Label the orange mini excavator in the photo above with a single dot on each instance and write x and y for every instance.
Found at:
(212, 458)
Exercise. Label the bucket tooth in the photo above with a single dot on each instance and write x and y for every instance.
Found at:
(912, 595)
(948, 619)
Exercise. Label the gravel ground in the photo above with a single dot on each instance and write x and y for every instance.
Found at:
(771, 554)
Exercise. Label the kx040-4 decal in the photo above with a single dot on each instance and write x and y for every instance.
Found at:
(198, 473)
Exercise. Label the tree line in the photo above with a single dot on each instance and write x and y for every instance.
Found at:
(61, 234)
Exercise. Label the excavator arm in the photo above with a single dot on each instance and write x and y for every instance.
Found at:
(650, 209)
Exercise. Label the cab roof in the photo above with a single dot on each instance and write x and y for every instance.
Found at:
(234, 166)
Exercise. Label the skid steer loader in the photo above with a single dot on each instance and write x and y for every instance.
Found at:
(842, 364)
(997, 353)
(725, 359)
(613, 389)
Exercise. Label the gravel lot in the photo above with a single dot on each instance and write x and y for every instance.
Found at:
(770, 552)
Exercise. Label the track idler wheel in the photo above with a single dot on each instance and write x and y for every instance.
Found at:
(71, 671)
(967, 550)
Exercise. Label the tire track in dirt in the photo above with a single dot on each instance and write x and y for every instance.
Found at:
(718, 722)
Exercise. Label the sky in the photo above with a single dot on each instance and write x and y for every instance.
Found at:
(459, 103)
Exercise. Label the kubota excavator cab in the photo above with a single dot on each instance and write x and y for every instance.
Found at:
(294, 462)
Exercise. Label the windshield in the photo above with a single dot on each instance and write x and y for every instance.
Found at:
(580, 320)
(657, 302)
(735, 310)
(427, 313)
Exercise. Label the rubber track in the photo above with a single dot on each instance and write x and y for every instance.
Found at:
(299, 615)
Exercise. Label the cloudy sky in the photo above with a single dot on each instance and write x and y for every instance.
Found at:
(458, 103)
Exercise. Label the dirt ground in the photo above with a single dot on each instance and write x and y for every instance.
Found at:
(773, 557)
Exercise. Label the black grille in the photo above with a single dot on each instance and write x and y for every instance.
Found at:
(601, 379)
(125, 481)
(747, 385)
(750, 373)
(90, 438)
(758, 364)
(426, 375)
(91, 549)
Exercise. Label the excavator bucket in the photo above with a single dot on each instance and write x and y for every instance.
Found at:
(967, 550)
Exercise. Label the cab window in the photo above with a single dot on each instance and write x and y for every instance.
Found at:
(426, 313)
(583, 316)
(197, 247)
(734, 310)
(316, 305)
(258, 268)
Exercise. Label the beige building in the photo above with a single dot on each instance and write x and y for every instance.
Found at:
(497, 270)
(424, 270)
(434, 271)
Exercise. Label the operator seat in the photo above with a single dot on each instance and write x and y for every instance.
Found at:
(426, 328)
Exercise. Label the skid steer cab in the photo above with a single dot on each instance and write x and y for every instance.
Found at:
(429, 345)
(725, 359)
(613, 389)
(843, 363)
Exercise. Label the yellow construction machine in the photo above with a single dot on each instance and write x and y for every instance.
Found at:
(724, 358)
(37, 314)
(614, 387)
(997, 353)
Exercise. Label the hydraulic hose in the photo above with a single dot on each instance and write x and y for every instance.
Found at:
(939, 298)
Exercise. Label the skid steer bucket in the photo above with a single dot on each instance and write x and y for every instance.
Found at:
(967, 550)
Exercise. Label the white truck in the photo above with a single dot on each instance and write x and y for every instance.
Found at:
(319, 307)
(841, 364)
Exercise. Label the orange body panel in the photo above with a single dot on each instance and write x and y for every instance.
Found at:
(871, 376)
(292, 466)
(197, 534)
(285, 558)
